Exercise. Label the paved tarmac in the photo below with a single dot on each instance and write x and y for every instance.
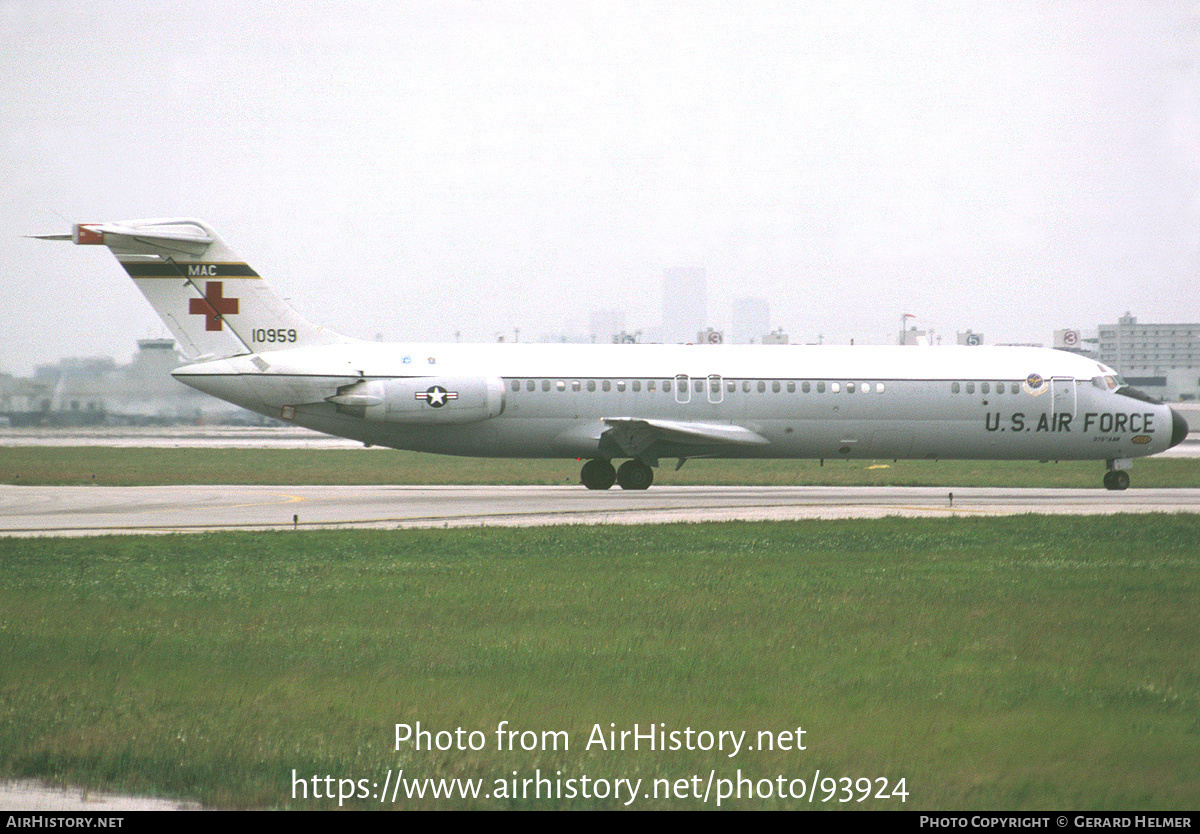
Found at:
(295, 437)
(75, 511)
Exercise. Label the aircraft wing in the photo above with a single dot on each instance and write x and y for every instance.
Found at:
(637, 436)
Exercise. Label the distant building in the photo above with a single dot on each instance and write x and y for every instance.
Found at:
(751, 320)
(22, 401)
(1161, 359)
(970, 338)
(97, 391)
(685, 303)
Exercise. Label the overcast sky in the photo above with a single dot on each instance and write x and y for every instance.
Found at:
(413, 169)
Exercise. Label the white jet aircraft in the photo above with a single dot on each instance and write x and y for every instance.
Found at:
(635, 402)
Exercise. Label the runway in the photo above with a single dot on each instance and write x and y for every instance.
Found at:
(82, 511)
(295, 437)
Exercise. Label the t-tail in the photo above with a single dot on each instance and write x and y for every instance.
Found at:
(212, 301)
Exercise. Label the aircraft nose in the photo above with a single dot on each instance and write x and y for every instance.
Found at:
(1179, 428)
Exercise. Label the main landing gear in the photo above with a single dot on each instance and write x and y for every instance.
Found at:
(633, 474)
(598, 474)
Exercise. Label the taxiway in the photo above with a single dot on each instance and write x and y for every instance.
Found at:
(79, 511)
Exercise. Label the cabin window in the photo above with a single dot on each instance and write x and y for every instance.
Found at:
(530, 385)
(791, 387)
(954, 389)
(637, 385)
(985, 388)
(835, 387)
(775, 387)
(970, 387)
(731, 387)
(607, 385)
(699, 386)
(667, 386)
(620, 385)
(762, 387)
(806, 386)
(849, 387)
(575, 385)
(545, 385)
(560, 385)
(650, 385)
(821, 387)
(879, 389)
(745, 386)
(516, 385)
(591, 385)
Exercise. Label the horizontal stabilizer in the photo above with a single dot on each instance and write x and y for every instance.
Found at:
(103, 234)
(179, 231)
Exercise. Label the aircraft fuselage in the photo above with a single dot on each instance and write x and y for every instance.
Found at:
(508, 400)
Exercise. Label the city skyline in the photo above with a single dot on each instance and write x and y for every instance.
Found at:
(432, 172)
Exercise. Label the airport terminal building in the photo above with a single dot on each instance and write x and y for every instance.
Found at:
(95, 391)
(1160, 359)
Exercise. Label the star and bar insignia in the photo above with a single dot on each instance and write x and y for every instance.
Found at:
(436, 396)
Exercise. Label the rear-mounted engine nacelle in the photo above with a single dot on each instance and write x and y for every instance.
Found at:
(426, 399)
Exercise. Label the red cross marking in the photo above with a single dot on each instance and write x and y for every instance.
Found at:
(213, 306)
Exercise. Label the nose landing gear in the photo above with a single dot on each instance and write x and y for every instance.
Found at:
(1116, 479)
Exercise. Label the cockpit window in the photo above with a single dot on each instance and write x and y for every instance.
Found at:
(1134, 393)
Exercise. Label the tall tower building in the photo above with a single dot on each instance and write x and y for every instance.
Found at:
(685, 303)
(751, 320)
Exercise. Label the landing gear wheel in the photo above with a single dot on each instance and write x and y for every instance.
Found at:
(598, 474)
(1116, 479)
(634, 474)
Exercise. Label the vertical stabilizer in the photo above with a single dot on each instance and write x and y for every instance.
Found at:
(211, 300)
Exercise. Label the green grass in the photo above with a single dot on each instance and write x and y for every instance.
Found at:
(127, 467)
(1014, 663)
